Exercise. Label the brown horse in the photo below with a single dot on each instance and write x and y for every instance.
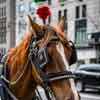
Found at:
(24, 73)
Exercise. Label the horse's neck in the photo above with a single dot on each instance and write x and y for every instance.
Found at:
(24, 88)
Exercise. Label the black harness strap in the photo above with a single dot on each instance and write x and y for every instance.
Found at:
(58, 76)
(2, 94)
(3, 86)
(5, 93)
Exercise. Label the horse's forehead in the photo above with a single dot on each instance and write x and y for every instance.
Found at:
(61, 51)
(50, 27)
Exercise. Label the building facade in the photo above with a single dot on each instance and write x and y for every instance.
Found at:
(81, 21)
(7, 25)
(23, 8)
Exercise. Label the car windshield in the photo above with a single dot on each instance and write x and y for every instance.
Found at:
(90, 67)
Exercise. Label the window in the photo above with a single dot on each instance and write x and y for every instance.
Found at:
(65, 18)
(49, 2)
(81, 25)
(59, 14)
(21, 8)
(3, 30)
(83, 10)
(22, 26)
(4, 11)
(80, 31)
(80, 62)
(77, 12)
(3, 51)
(80, 0)
(2, 1)
(63, 13)
(32, 6)
(49, 19)
(0, 13)
(62, 0)
(90, 67)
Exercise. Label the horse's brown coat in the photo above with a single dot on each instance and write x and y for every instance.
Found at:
(17, 58)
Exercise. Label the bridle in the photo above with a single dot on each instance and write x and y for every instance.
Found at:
(48, 78)
(45, 79)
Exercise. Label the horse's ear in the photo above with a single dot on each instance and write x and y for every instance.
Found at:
(61, 23)
(35, 27)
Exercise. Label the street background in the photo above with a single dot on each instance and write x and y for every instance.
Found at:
(82, 26)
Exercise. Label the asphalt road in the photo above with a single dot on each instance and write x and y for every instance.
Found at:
(90, 95)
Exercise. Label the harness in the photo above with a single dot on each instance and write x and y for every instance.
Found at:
(5, 93)
(39, 58)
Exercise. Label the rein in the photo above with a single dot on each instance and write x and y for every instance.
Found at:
(16, 81)
(4, 81)
(20, 76)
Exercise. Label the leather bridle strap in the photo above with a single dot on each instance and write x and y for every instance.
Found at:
(60, 35)
(54, 77)
(58, 76)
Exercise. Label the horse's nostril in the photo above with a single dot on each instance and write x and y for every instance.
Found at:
(71, 98)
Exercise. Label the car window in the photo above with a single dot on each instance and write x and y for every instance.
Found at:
(93, 68)
(82, 69)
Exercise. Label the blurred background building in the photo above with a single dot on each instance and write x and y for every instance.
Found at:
(23, 8)
(7, 25)
(82, 24)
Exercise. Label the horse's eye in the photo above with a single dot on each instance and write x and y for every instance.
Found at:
(41, 34)
(44, 30)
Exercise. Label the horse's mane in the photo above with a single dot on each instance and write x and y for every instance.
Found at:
(17, 56)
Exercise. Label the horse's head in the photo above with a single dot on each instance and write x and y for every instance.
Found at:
(50, 55)
(42, 58)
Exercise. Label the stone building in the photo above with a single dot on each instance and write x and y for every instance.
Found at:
(7, 24)
(83, 26)
(82, 23)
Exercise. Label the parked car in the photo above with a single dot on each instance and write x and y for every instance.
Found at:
(87, 76)
(1, 55)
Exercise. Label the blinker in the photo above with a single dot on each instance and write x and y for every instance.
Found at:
(41, 34)
(40, 57)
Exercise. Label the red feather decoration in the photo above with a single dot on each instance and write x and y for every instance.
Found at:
(43, 12)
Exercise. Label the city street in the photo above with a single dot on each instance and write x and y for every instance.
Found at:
(90, 96)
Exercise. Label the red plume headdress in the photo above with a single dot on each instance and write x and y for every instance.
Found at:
(43, 11)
